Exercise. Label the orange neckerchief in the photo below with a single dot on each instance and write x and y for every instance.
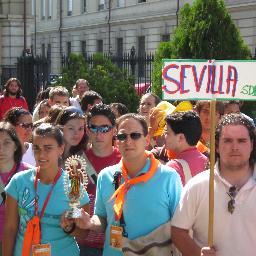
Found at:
(120, 193)
(32, 235)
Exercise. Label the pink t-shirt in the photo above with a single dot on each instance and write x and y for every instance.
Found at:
(195, 159)
(5, 177)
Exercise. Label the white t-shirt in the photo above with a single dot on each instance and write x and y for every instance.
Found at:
(74, 102)
(234, 234)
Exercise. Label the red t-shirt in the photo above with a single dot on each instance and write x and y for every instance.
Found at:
(7, 103)
(96, 240)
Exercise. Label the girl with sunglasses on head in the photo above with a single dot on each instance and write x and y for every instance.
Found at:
(72, 122)
(36, 200)
(10, 163)
(21, 119)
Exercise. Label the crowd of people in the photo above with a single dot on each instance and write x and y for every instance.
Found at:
(148, 177)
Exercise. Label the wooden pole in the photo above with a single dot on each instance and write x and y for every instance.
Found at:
(211, 180)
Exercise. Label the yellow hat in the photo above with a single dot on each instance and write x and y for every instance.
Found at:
(164, 108)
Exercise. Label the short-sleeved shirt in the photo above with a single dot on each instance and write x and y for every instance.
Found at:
(5, 177)
(195, 160)
(96, 239)
(7, 103)
(234, 234)
(21, 188)
(147, 205)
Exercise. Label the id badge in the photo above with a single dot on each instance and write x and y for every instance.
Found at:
(41, 250)
(116, 237)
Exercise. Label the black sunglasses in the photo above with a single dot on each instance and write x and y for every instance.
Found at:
(232, 194)
(101, 128)
(26, 126)
(133, 136)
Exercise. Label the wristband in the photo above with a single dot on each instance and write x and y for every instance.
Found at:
(69, 229)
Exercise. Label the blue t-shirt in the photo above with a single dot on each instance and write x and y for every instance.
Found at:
(21, 188)
(147, 205)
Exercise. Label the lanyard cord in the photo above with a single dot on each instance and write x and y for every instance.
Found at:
(57, 176)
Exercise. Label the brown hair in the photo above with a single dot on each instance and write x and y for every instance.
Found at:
(6, 86)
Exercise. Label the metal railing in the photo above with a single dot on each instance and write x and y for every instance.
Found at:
(140, 67)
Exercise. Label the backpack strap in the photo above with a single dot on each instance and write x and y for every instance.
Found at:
(2, 192)
(92, 174)
(186, 169)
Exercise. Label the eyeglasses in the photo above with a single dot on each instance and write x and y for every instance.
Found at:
(232, 194)
(26, 126)
(101, 128)
(133, 136)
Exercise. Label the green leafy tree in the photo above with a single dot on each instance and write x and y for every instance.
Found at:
(205, 31)
(106, 78)
(112, 83)
(76, 68)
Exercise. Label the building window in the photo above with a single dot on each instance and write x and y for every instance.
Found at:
(49, 9)
(43, 50)
(83, 6)
(141, 45)
(70, 7)
(49, 55)
(49, 51)
(42, 9)
(33, 7)
(120, 3)
(141, 55)
(83, 48)
(100, 45)
(68, 48)
(119, 46)
(101, 5)
(141, 1)
(165, 38)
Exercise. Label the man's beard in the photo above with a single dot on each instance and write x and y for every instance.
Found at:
(236, 167)
(12, 93)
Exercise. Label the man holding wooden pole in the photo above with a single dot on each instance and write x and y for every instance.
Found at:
(234, 192)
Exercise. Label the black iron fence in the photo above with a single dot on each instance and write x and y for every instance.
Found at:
(140, 67)
(33, 72)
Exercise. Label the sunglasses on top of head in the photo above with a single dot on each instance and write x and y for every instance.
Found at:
(124, 136)
(100, 128)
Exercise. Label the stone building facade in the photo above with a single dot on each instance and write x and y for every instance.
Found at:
(59, 27)
(12, 31)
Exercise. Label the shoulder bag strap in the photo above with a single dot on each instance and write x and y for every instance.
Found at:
(90, 170)
(186, 169)
(116, 182)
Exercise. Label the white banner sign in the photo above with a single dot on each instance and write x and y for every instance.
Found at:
(202, 79)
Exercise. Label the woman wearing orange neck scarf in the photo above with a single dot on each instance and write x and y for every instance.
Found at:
(36, 200)
(146, 195)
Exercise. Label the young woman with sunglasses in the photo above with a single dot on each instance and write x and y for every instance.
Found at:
(10, 163)
(72, 122)
(21, 119)
(36, 200)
